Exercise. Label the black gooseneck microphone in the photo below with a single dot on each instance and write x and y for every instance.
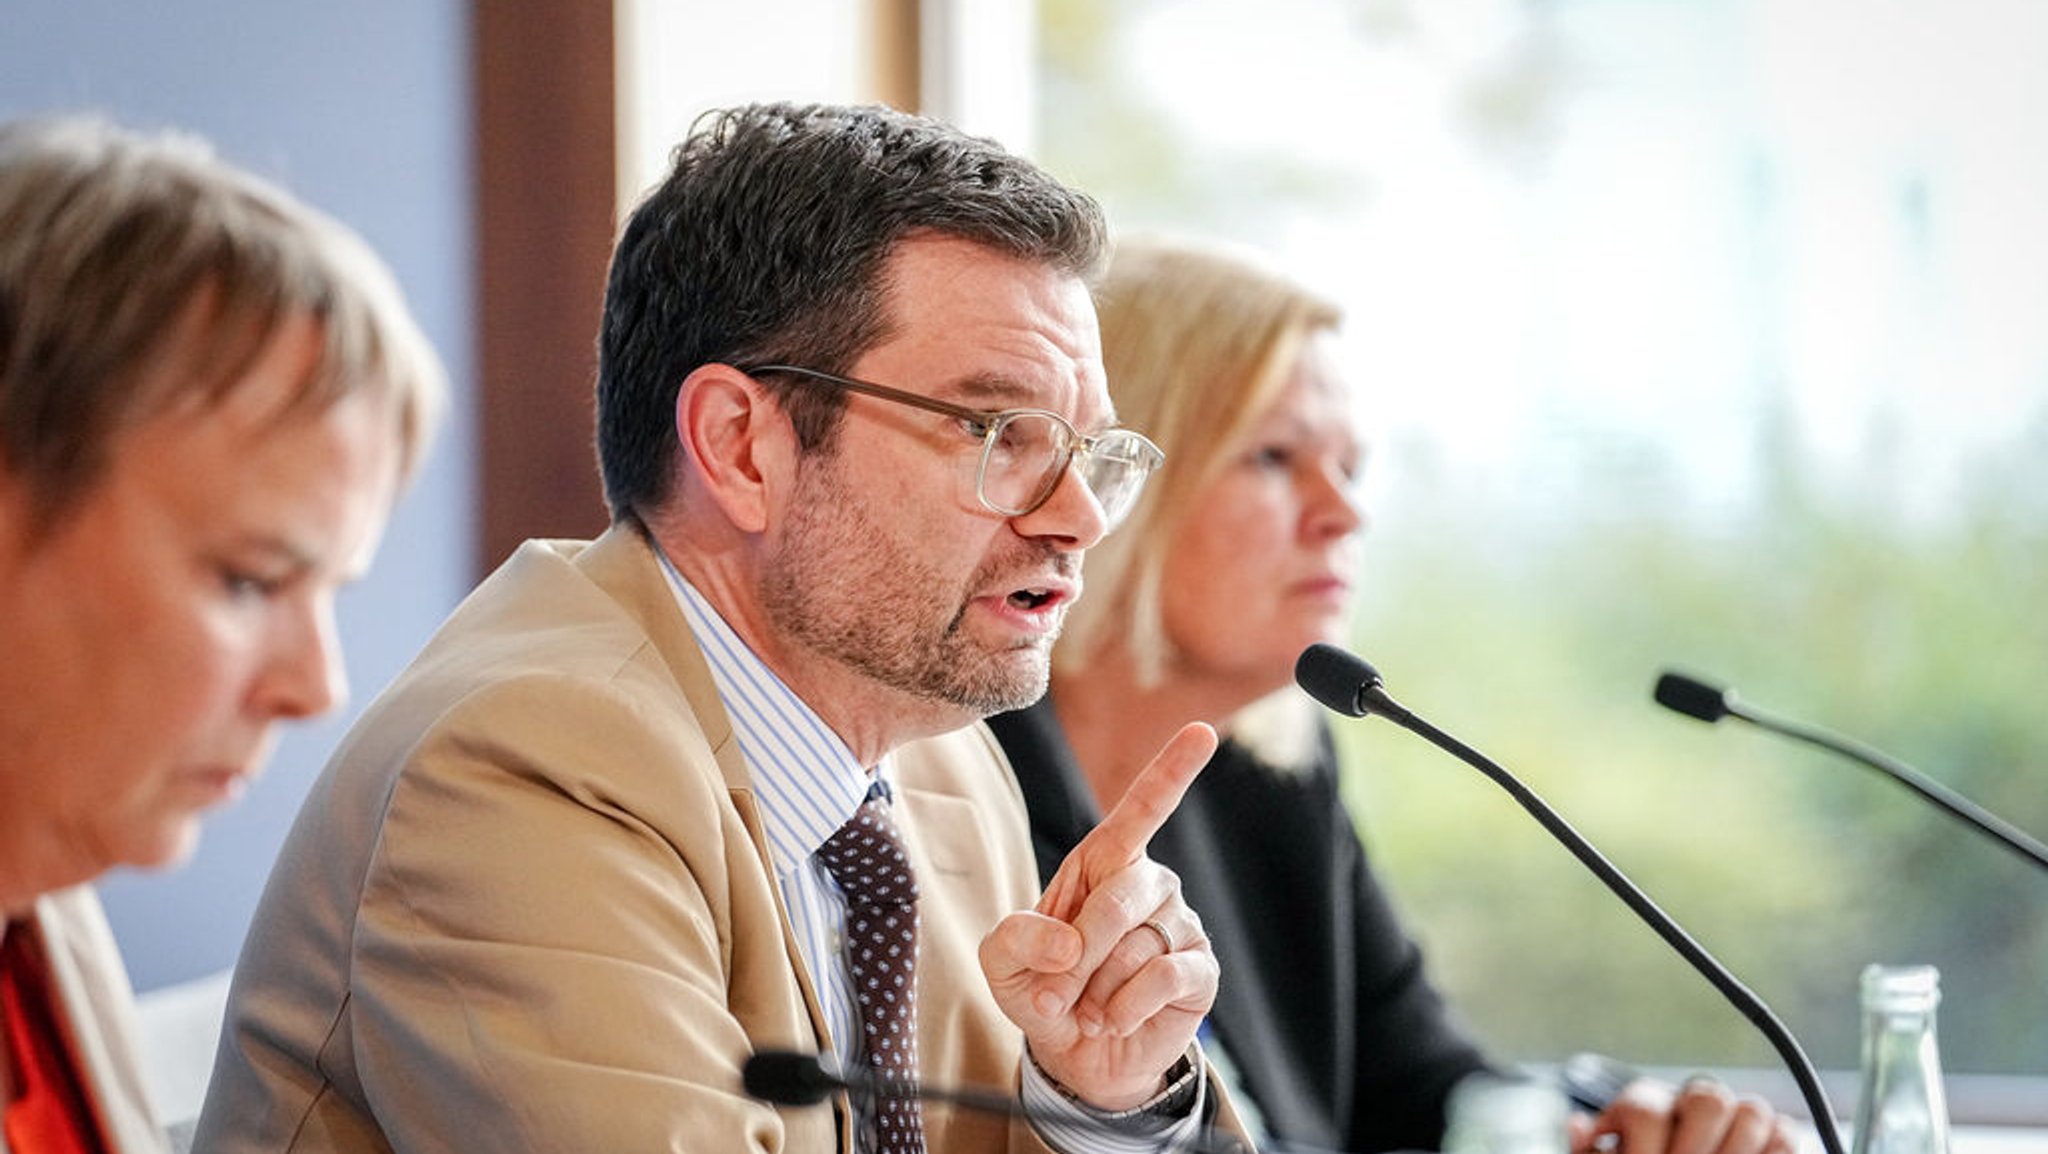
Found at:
(1348, 684)
(1710, 703)
(789, 1078)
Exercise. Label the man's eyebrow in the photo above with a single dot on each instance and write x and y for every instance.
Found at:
(998, 392)
(987, 390)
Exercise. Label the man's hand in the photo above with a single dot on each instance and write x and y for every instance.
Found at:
(1106, 1007)
(1701, 1117)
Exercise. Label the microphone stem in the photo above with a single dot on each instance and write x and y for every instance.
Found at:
(1751, 1006)
(978, 1100)
(1958, 806)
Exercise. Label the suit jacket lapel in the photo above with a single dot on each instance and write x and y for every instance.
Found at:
(624, 564)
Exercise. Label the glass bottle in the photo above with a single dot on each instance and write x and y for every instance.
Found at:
(1903, 1108)
(1489, 1114)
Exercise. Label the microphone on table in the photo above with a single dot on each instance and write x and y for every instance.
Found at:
(1710, 703)
(1348, 684)
(789, 1078)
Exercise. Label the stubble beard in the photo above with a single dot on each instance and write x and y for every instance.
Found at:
(842, 586)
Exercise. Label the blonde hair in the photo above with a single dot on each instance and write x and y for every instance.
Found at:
(1198, 339)
(139, 273)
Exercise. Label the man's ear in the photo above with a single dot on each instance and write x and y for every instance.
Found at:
(738, 442)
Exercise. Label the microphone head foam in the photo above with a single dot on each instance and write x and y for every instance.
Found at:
(1335, 677)
(1692, 697)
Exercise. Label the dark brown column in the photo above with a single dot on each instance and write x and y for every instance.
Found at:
(546, 177)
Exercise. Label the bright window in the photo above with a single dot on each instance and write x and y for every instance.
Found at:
(1703, 333)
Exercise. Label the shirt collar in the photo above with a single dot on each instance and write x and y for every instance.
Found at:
(807, 783)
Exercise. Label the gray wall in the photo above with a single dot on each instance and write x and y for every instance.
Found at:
(363, 109)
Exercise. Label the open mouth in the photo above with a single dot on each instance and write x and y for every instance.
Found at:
(1031, 599)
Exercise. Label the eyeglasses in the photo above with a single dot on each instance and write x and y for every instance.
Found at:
(1025, 452)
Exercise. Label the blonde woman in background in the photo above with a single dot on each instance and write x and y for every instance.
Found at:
(210, 397)
(1241, 553)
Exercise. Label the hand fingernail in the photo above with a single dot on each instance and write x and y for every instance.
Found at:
(1048, 1004)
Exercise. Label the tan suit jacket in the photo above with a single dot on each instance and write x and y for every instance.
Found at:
(529, 907)
(97, 1006)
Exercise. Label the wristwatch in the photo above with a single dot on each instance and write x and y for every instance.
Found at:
(1183, 1084)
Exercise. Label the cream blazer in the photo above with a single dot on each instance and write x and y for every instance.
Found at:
(97, 1005)
(528, 906)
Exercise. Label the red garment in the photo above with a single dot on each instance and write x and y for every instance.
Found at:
(48, 1110)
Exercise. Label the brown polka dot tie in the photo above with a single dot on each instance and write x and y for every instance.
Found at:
(866, 857)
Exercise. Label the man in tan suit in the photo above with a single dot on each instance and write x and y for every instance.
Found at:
(566, 874)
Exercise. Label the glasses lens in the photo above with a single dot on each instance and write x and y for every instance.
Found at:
(1115, 471)
(1022, 460)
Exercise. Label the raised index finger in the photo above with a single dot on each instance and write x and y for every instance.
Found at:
(1149, 800)
(1120, 838)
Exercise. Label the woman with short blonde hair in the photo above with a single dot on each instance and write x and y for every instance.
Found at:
(210, 397)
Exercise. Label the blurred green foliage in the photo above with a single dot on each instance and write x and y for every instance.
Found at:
(1539, 645)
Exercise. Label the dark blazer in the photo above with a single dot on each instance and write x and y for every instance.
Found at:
(1324, 1009)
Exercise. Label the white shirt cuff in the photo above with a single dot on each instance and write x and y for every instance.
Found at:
(1071, 1126)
